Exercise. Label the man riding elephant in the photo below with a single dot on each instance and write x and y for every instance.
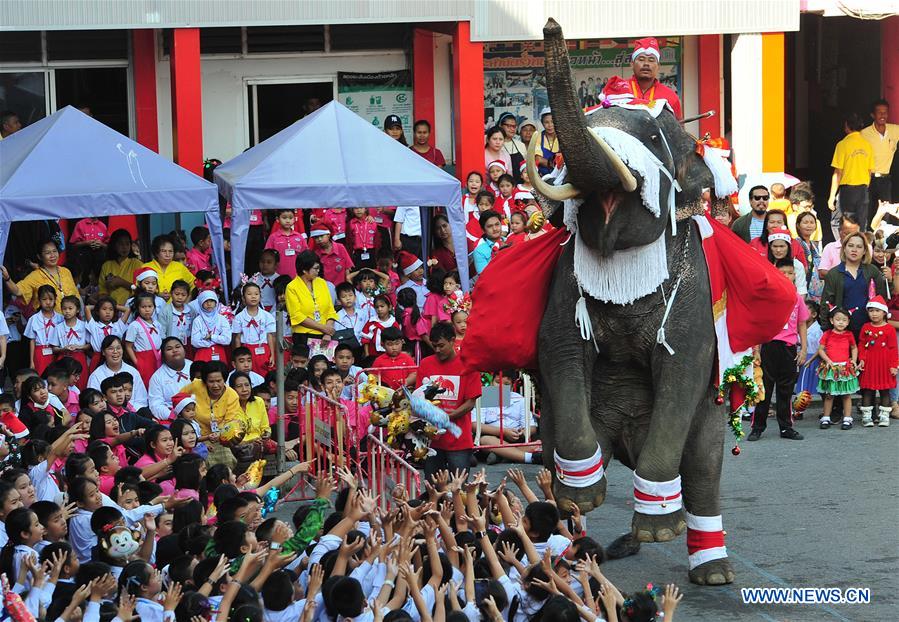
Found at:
(642, 315)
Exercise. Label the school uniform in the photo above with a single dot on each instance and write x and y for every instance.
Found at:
(41, 329)
(97, 332)
(336, 263)
(138, 397)
(180, 325)
(164, 383)
(371, 334)
(266, 283)
(254, 331)
(289, 244)
(356, 321)
(146, 338)
(363, 240)
(65, 335)
(210, 334)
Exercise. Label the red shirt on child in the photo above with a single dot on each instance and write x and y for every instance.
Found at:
(838, 346)
(394, 378)
(460, 386)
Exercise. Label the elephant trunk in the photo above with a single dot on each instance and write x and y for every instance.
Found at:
(592, 165)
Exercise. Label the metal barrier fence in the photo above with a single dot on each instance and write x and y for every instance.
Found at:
(386, 470)
(529, 405)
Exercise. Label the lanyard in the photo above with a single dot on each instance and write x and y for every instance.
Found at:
(640, 94)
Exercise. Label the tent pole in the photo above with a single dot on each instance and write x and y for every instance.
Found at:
(279, 366)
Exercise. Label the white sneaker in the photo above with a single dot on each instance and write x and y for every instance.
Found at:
(883, 421)
(867, 420)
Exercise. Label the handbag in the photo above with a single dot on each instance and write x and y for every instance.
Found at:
(347, 336)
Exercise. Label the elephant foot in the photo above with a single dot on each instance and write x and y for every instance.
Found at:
(714, 572)
(586, 498)
(658, 527)
(623, 546)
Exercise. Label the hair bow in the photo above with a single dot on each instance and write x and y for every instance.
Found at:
(210, 284)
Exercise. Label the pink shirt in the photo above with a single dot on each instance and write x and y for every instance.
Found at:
(434, 307)
(336, 263)
(88, 230)
(255, 217)
(789, 334)
(197, 260)
(335, 218)
(168, 485)
(288, 245)
(364, 234)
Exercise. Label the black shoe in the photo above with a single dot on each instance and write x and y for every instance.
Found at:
(492, 458)
(824, 424)
(754, 435)
(791, 434)
(746, 418)
(846, 425)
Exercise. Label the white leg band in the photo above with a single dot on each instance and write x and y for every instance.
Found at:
(580, 473)
(706, 555)
(657, 498)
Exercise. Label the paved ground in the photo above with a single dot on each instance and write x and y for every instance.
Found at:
(820, 512)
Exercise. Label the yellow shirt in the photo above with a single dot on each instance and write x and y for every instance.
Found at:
(124, 270)
(29, 285)
(226, 409)
(854, 156)
(884, 146)
(175, 271)
(783, 205)
(302, 304)
(257, 420)
(792, 215)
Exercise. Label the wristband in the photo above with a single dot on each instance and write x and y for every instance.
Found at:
(390, 583)
(480, 534)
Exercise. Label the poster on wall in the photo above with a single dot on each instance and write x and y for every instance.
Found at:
(374, 96)
(514, 80)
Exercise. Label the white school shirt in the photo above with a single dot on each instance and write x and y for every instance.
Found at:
(420, 289)
(65, 335)
(98, 331)
(357, 321)
(219, 331)
(41, 329)
(164, 383)
(138, 397)
(410, 216)
(253, 329)
(146, 336)
(255, 379)
(181, 325)
(160, 303)
(266, 285)
(151, 611)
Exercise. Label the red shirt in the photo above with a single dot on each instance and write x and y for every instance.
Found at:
(89, 230)
(394, 378)
(288, 245)
(432, 155)
(658, 91)
(838, 347)
(362, 235)
(460, 386)
(335, 263)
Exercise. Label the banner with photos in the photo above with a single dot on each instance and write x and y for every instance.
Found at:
(514, 80)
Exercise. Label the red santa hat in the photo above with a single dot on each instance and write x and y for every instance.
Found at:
(878, 303)
(780, 234)
(648, 45)
(498, 163)
(14, 425)
(523, 166)
(409, 263)
(144, 273)
(318, 229)
(180, 401)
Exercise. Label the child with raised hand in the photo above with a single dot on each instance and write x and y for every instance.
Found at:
(837, 374)
(187, 437)
(287, 241)
(140, 580)
(265, 278)
(211, 331)
(878, 361)
(144, 337)
(371, 334)
(106, 318)
(254, 328)
(41, 328)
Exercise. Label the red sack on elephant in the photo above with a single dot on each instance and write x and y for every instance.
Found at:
(508, 302)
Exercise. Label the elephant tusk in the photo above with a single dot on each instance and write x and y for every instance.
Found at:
(628, 181)
(553, 193)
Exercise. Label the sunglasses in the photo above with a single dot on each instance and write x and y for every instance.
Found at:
(757, 198)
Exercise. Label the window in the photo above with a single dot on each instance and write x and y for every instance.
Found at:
(370, 36)
(87, 44)
(219, 41)
(20, 47)
(271, 39)
(25, 94)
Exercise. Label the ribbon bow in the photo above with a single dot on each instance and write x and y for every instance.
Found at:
(49, 324)
(210, 284)
(266, 283)
(72, 333)
(181, 375)
(152, 329)
(106, 330)
(253, 323)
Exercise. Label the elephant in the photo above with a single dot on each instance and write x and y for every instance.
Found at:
(630, 390)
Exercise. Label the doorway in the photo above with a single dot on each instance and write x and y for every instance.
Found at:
(276, 104)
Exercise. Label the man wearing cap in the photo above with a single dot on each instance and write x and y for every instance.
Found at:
(508, 123)
(644, 84)
(168, 379)
(549, 143)
(393, 127)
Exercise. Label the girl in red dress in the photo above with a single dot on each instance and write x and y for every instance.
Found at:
(878, 359)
